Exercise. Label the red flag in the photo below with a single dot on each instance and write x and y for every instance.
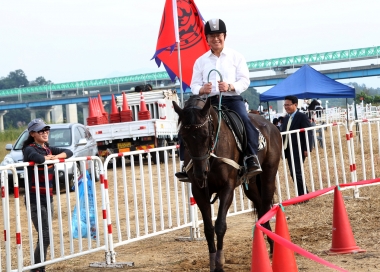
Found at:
(191, 37)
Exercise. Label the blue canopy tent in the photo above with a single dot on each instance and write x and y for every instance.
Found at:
(308, 83)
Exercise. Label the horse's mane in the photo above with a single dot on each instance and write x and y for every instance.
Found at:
(192, 110)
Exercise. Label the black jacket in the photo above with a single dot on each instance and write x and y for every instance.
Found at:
(300, 120)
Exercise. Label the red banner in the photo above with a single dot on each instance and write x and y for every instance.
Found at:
(191, 35)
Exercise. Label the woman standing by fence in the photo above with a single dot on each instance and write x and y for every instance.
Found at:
(36, 149)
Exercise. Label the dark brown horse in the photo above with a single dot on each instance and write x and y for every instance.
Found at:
(209, 174)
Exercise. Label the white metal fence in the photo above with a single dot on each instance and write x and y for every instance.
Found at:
(140, 199)
(18, 226)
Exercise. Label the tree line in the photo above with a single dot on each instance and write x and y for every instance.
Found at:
(18, 79)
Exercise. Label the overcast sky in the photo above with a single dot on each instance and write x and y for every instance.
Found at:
(67, 40)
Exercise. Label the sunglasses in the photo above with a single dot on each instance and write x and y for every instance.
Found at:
(43, 131)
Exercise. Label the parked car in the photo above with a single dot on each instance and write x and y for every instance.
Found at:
(73, 136)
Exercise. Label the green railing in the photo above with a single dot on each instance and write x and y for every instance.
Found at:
(335, 56)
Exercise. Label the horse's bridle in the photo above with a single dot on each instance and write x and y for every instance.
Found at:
(211, 135)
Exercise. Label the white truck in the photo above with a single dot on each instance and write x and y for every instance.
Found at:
(159, 131)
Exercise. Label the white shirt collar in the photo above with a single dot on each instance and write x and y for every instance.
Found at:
(225, 51)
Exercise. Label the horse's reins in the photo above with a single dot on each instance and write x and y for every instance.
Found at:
(219, 107)
(210, 150)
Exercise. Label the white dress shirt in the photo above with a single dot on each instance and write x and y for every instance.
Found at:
(230, 64)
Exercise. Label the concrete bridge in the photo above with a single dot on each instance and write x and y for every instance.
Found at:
(51, 98)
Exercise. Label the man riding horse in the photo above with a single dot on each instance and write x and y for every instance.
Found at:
(235, 74)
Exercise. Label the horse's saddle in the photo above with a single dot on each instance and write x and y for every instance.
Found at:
(236, 125)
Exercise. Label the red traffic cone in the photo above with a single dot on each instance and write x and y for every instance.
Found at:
(143, 114)
(283, 258)
(101, 106)
(113, 105)
(97, 106)
(260, 259)
(142, 103)
(125, 102)
(91, 112)
(343, 240)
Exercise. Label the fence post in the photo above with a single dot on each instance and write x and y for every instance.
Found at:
(5, 204)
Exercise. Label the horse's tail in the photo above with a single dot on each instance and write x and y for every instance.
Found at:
(259, 184)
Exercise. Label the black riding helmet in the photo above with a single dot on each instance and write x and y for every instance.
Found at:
(215, 26)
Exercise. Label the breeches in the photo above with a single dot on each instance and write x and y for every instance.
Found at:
(236, 104)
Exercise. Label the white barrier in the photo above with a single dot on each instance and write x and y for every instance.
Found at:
(338, 114)
(60, 230)
(141, 200)
(364, 150)
(161, 198)
(326, 164)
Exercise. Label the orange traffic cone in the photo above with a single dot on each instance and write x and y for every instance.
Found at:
(283, 258)
(343, 240)
(126, 114)
(125, 102)
(115, 115)
(142, 103)
(97, 105)
(260, 258)
(113, 105)
(91, 112)
(144, 114)
(93, 116)
(100, 101)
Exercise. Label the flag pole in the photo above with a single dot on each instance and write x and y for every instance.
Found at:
(175, 16)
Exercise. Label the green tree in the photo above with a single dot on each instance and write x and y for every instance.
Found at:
(363, 95)
(15, 79)
(39, 81)
(376, 99)
(253, 98)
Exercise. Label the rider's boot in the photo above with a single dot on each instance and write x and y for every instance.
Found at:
(253, 166)
(182, 176)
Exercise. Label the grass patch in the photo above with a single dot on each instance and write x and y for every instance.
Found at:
(8, 136)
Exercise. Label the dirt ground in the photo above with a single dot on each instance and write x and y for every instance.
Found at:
(310, 226)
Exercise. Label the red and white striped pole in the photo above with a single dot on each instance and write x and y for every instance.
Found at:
(18, 221)
(5, 204)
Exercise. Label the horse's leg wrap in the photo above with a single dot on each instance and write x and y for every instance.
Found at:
(219, 260)
(212, 261)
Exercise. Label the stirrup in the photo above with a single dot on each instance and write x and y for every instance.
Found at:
(252, 170)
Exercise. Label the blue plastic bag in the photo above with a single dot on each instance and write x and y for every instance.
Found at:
(82, 223)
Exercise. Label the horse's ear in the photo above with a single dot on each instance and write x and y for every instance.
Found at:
(206, 107)
(177, 109)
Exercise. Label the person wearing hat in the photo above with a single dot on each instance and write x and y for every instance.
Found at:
(36, 149)
(235, 74)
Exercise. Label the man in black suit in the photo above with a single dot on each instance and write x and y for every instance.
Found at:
(296, 120)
